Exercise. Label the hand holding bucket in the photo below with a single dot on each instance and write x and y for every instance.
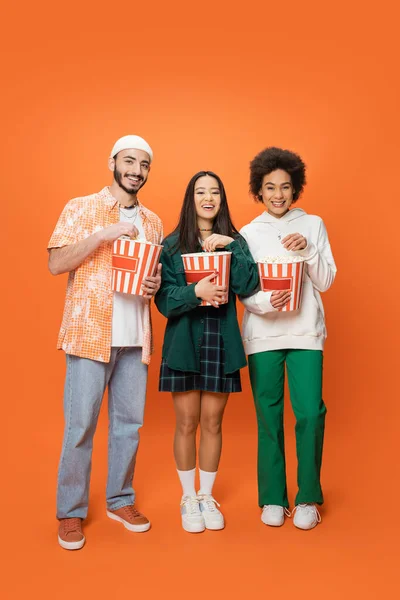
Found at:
(283, 273)
(203, 266)
(211, 293)
(132, 262)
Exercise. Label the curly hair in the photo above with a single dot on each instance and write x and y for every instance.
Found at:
(270, 159)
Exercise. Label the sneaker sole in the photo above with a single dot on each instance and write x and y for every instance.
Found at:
(305, 528)
(215, 527)
(71, 545)
(272, 524)
(129, 526)
(193, 528)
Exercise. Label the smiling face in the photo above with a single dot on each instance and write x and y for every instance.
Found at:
(277, 192)
(207, 198)
(131, 168)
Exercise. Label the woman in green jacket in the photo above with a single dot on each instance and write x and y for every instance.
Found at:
(203, 349)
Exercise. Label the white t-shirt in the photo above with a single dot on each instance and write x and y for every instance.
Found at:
(128, 310)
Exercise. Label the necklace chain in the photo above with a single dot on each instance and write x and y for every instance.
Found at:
(280, 234)
(134, 212)
(131, 217)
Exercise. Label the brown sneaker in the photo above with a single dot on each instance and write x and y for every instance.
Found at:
(131, 518)
(70, 534)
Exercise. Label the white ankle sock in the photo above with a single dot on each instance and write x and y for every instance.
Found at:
(207, 481)
(187, 482)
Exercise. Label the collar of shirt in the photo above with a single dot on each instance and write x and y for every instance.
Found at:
(111, 202)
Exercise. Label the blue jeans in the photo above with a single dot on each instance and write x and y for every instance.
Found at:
(85, 384)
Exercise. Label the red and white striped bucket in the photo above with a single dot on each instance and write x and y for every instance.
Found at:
(280, 274)
(201, 264)
(132, 261)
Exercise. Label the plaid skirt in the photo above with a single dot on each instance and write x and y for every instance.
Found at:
(212, 358)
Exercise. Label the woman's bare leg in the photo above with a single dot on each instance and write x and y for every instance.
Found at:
(187, 413)
(211, 414)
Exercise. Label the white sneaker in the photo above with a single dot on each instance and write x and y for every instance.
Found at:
(213, 518)
(274, 515)
(306, 516)
(192, 519)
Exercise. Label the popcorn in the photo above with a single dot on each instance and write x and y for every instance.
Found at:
(128, 237)
(281, 260)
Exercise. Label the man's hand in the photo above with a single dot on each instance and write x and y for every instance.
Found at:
(113, 232)
(280, 299)
(294, 241)
(151, 285)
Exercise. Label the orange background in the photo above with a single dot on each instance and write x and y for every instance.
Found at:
(208, 85)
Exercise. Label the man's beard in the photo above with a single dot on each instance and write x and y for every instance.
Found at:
(118, 179)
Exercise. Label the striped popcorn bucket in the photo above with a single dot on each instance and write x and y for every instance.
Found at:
(199, 265)
(132, 261)
(276, 276)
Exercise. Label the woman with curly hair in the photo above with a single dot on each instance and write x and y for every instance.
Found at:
(274, 338)
(203, 350)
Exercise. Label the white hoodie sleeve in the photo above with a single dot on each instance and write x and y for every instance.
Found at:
(260, 302)
(320, 261)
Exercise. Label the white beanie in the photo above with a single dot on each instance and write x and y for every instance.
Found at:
(131, 141)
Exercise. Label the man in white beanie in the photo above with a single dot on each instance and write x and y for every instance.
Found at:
(106, 336)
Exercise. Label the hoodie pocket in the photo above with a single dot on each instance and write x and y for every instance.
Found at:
(259, 327)
(309, 319)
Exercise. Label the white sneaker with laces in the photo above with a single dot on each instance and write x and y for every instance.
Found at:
(306, 516)
(192, 518)
(213, 518)
(274, 515)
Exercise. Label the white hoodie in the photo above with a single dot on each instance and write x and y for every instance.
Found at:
(266, 328)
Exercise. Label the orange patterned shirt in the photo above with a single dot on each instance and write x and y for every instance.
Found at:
(86, 325)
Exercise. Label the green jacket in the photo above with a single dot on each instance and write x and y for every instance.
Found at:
(178, 302)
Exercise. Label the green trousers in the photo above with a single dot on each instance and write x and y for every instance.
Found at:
(267, 376)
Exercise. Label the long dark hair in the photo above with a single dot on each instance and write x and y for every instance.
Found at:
(187, 228)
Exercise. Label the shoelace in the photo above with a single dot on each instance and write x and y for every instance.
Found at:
(275, 509)
(71, 525)
(132, 512)
(309, 508)
(191, 505)
(208, 501)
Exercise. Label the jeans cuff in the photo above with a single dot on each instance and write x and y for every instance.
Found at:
(128, 503)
